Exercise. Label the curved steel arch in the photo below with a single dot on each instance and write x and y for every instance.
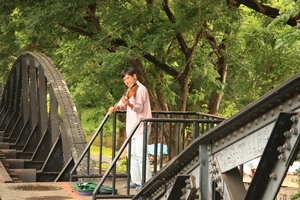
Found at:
(38, 118)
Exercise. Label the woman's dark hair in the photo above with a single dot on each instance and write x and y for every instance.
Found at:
(130, 71)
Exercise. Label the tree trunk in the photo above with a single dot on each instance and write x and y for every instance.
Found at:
(221, 68)
(142, 77)
(214, 102)
(184, 88)
(159, 93)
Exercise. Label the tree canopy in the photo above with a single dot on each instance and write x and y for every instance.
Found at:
(202, 55)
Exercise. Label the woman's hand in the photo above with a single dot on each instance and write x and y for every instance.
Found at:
(113, 109)
(125, 100)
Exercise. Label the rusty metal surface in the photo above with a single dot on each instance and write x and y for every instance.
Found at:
(280, 152)
(251, 119)
(46, 191)
(32, 191)
(4, 176)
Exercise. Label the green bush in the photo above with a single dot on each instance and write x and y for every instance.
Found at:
(296, 196)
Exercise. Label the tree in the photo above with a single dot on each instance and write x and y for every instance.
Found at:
(183, 51)
(208, 56)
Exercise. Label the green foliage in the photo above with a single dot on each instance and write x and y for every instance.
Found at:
(90, 120)
(295, 196)
(79, 37)
(260, 52)
(288, 38)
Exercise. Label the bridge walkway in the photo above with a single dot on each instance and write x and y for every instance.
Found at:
(48, 191)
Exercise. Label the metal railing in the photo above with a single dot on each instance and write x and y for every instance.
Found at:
(174, 132)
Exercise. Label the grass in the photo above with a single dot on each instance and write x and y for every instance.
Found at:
(96, 149)
(107, 151)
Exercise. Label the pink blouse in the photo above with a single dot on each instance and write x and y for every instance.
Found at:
(141, 109)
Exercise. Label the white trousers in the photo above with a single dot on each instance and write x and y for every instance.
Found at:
(136, 164)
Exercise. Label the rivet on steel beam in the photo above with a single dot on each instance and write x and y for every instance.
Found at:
(272, 113)
(282, 157)
(235, 133)
(270, 105)
(294, 131)
(264, 117)
(298, 97)
(218, 178)
(219, 189)
(280, 107)
(217, 144)
(216, 170)
(280, 149)
(183, 190)
(273, 176)
(213, 177)
(295, 118)
(228, 137)
(290, 102)
(214, 162)
(287, 134)
(242, 130)
(256, 122)
(249, 125)
(222, 141)
(287, 146)
(208, 147)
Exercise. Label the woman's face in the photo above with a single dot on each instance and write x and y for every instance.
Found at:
(129, 80)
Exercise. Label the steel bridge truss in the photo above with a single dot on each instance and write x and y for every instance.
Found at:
(210, 165)
(38, 119)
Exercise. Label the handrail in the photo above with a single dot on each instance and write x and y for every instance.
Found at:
(177, 117)
(154, 113)
(89, 145)
(116, 158)
(127, 141)
(197, 114)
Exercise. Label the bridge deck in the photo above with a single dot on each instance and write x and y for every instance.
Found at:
(46, 191)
